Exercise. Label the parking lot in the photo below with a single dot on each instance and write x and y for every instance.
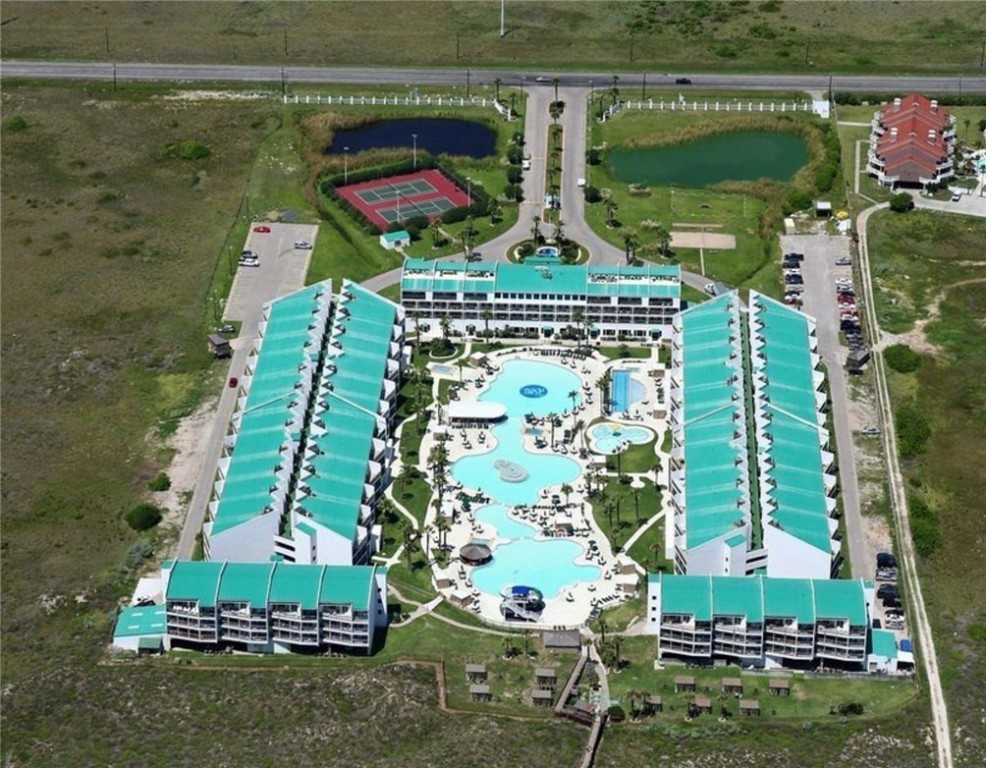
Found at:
(819, 299)
(281, 269)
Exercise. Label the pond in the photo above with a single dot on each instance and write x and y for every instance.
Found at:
(437, 136)
(741, 156)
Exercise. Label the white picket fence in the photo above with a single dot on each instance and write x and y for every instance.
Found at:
(720, 106)
(392, 101)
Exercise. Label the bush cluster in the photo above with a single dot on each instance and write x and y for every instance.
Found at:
(144, 516)
(913, 430)
(901, 202)
(902, 358)
(925, 532)
(160, 483)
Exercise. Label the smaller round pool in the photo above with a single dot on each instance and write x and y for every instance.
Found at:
(547, 252)
(613, 438)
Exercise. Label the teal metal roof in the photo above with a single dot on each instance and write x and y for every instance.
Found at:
(712, 383)
(351, 390)
(789, 598)
(840, 599)
(288, 353)
(737, 596)
(348, 584)
(195, 580)
(657, 280)
(248, 582)
(689, 595)
(757, 597)
(798, 471)
(141, 620)
(884, 643)
(297, 584)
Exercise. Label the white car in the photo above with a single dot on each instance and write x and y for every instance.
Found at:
(251, 261)
(870, 431)
(303, 245)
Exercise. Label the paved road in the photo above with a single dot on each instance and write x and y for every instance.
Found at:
(820, 302)
(82, 70)
(917, 615)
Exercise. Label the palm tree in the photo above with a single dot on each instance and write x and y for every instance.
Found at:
(567, 490)
(443, 527)
(494, 210)
(574, 395)
(603, 385)
(416, 316)
(606, 195)
(579, 429)
(636, 502)
(551, 420)
(508, 646)
(536, 229)
(658, 466)
(663, 238)
(603, 626)
(614, 89)
(578, 317)
(496, 84)
(460, 364)
(559, 231)
(630, 243)
(408, 545)
(556, 82)
(446, 325)
(426, 537)
(487, 315)
(527, 642)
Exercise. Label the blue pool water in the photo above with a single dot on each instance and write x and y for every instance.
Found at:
(479, 472)
(523, 387)
(624, 390)
(530, 386)
(608, 437)
(498, 516)
(546, 565)
(547, 251)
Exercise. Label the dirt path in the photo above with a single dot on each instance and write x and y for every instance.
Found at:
(916, 338)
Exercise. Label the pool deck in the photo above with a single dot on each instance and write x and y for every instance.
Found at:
(573, 606)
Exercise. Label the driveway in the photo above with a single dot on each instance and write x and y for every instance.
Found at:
(819, 271)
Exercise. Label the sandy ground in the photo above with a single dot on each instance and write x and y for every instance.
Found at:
(189, 443)
(711, 240)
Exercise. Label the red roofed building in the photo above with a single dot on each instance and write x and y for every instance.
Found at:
(912, 143)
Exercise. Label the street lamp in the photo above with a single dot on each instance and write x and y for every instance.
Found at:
(345, 165)
(414, 138)
(469, 189)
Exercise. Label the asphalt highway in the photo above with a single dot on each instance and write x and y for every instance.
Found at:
(95, 70)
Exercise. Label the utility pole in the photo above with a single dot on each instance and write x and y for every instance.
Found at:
(467, 82)
(643, 87)
(456, 45)
(114, 75)
(106, 33)
(631, 46)
(831, 95)
(414, 138)
(285, 42)
(503, 18)
(284, 83)
(807, 50)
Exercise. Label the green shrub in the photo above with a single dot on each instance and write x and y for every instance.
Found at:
(913, 430)
(513, 192)
(514, 174)
(144, 516)
(15, 123)
(515, 154)
(188, 150)
(616, 714)
(902, 358)
(851, 708)
(160, 483)
(526, 249)
(593, 157)
(592, 195)
(901, 202)
(925, 535)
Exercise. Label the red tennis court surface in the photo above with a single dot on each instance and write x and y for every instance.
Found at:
(398, 198)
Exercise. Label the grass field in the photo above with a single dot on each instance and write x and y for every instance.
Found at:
(692, 37)
(915, 258)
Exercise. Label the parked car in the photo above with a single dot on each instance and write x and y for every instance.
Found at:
(877, 624)
(885, 560)
(682, 81)
(263, 229)
(872, 431)
(302, 245)
(794, 255)
(525, 164)
(956, 197)
(886, 574)
(886, 590)
(254, 262)
(843, 261)
(794, 279)
(892, 601)
(233, 382)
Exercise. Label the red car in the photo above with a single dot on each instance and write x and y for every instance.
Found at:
(263, 229)
(233, 382)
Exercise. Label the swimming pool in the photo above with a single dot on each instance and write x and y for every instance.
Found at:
(549, 566)
(524, 387)
(607, 438)
(624, 390)
(547, 251)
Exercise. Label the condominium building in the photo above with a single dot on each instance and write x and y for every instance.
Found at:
(309, 446)
(761, 621)
(273, 607)
(543, 298)
(912, 142)
(751, 478)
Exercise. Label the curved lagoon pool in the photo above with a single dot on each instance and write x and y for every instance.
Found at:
(548, 566)
(610, 438)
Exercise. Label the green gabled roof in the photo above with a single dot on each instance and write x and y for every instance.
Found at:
(737, 596)
(658, 280)
(195, 580)
(286, 358)
(792, 598)
(689, 595)
(840, 599)
(883, 643)
(348, 584)
(297, 584)
(141, 620)
(249, 582)
(798, 471)
(711, 416)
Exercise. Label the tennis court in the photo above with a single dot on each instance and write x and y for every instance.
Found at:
(398, 198)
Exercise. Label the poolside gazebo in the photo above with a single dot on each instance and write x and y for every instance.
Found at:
(475, 553)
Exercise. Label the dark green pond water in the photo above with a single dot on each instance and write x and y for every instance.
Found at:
(742, 156)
